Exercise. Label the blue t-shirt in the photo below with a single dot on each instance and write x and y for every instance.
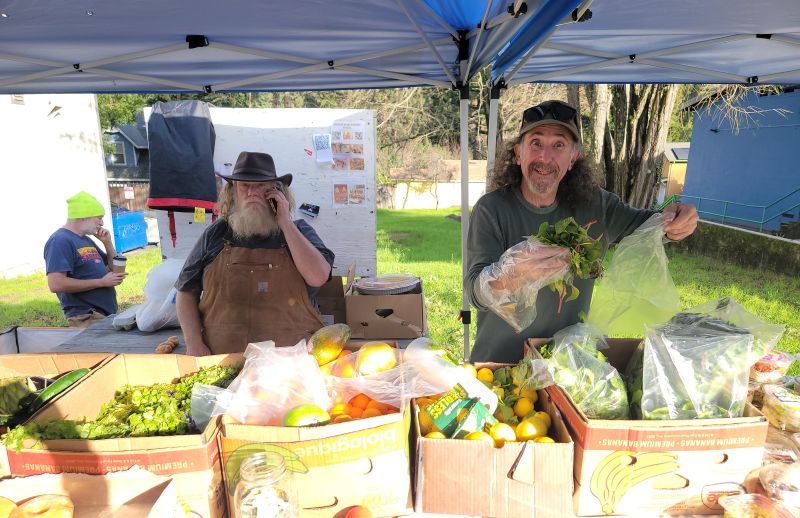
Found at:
(79, 258)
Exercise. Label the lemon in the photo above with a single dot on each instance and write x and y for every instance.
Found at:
(499, 392)
(426, 424)
(486, 375)
(544, 416)
(530, 394)
(502, 433)
(523, 407)
(375, 357)
(470, 368)
(530, 428)
(544, 439)
(435, 435)
(479, 436)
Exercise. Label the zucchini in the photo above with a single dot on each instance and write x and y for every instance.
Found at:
(31, 405)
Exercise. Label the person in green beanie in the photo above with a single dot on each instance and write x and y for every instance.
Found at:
(78, 271)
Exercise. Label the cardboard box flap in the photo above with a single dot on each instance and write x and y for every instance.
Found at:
(351, 277)
(48, 364)
(523, 468)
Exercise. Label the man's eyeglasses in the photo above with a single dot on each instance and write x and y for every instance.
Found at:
(553, 110)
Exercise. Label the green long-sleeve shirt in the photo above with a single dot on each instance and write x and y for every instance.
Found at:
(499, 221)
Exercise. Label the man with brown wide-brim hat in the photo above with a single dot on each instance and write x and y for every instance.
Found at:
(254, 273)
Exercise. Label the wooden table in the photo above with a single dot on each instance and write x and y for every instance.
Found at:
(102, 337)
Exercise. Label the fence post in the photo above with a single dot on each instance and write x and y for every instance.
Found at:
(724, 211)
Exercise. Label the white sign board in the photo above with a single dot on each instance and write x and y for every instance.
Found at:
(331, 156)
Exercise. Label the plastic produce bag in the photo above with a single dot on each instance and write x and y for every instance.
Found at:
(578, 366)
(516, 302)
(419, 370)
(782, 407)
(637, 288)
(272, 381)
(158, 310)
(697, 365)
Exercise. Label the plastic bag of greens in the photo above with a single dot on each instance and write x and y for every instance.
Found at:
(578, 366)
(637, 288)
(696, 366)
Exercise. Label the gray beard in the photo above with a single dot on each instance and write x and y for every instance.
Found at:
(540, 187)
(252, 221)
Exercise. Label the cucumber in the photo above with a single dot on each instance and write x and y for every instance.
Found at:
(29, 406)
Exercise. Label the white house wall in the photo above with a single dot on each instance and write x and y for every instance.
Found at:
(430, 196)
(51, 149)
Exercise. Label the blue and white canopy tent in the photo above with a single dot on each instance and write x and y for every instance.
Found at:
(195, 46)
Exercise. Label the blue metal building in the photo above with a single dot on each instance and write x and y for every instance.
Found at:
(750, 177)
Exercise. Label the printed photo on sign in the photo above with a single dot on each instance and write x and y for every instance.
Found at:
(340, 194)
(358, 135)
(357, 149)
(340, 163)
(336, 135)
(356, 194)
(357, 164)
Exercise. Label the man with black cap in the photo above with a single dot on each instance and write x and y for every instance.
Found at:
(79, 272)
(254, 273)
(541, 177)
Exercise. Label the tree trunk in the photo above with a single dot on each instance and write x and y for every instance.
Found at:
(599, 97)
(574, 100)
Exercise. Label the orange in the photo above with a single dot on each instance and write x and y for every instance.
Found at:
(360, 400)
(358, 511)
(342, 418)
(435, 435)
(370, 412)
(306, 415)
(377, 405)
(390, 409)
(344, 353)
(354, 411)
(523, 407)
(486, 375)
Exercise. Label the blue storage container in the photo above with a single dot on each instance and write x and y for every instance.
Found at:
(130, 230)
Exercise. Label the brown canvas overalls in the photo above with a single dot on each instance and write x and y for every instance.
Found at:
(252, 295)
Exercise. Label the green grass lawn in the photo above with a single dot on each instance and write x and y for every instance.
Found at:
(427, 243)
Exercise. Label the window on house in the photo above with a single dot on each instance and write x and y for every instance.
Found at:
(118, 156)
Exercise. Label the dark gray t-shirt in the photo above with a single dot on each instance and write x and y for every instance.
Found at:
(212, 241)
(499, 221)
(79, 258)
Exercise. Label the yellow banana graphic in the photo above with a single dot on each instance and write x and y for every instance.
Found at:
(613, 462)
(619, 471)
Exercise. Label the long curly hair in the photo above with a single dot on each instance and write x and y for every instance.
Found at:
(578, 187)
(226, 201)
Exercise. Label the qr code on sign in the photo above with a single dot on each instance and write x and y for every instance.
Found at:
(322, 142)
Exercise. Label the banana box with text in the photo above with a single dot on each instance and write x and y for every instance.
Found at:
(473, 478)
(360, 462)
(659, 466)
(193, 461)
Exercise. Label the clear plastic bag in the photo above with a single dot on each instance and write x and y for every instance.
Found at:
(420, 370)
(782, 407)
(515, 301)
(696, 366)
(636, 288)
(578, 366)
(272, 381)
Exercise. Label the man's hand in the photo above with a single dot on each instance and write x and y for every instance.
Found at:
(104, 236)
(681, 220)
(529, 263)
(197, 348)
(112, 279)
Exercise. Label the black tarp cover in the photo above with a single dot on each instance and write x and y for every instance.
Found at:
(182, 138)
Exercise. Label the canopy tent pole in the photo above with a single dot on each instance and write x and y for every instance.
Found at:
(464, 134)
(494, 112)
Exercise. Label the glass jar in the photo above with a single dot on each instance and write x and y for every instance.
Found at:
(265, 488)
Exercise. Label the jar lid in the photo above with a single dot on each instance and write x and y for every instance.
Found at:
(388, 284)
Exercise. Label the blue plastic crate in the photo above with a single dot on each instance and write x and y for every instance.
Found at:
(130, 230)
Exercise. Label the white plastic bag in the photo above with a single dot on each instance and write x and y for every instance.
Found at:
(158, 310)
